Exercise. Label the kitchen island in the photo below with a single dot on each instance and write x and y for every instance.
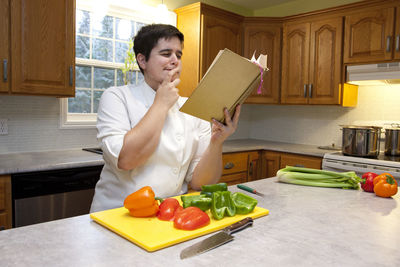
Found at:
(306, 226)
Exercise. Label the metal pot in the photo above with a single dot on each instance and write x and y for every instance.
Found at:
(360, 141)
(392, 144)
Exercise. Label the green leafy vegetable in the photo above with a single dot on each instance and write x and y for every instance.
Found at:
(321, 178)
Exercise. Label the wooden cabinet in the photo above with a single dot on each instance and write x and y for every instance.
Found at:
(40, 47)
(240, 167)
(397, 34)
(272, 161)
(4, 45)
(311, 62)
(207, 30)
(370, 35)
(5, 202)
(263, 36)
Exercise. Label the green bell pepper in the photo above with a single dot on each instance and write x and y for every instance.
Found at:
(222, 204)
(210, 188)
(201, 201)
(244, 203)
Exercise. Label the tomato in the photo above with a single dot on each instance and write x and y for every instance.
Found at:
(368, 181)
(191, 218)
(385, 185)
(168, 208)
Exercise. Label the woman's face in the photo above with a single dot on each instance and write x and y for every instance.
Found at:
(164, 57)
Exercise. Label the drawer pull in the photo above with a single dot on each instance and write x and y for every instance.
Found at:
(71, 76)
(398, 43)
(310, 90)
(5, 75)
(388, 41)
(299, 165)
(229, 165)
(305, 90)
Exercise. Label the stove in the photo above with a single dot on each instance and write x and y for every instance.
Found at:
(336, 161)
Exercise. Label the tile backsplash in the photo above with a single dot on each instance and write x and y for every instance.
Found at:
(33, 121)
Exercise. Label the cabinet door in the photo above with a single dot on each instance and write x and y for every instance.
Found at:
(236, 178)
(301, 161)
(264, 39)
(270, 164)
(218, 33)
(397, 34)
(43, 47)
(234, 162)
(5, 202)
(295, 63)
(325, 61)
(369, 36)
(4, 46)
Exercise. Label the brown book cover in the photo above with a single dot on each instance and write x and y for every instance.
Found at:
(228, 82)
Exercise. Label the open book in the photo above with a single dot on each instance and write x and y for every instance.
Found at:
(228, 82)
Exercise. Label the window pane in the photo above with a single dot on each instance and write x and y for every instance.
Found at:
(120, 51)
(139, 25)
(83, 76)
(103, 78)
(96, 99)
(102, 25)
(82, 21)
(82, 49)
(80, 103)
(102, 50)
(140, 77)
(120, 78)
(124, 29)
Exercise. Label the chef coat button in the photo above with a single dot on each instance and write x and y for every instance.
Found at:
(178, 137)
(175, 170)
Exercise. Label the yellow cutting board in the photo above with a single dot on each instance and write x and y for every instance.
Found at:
(153, 234)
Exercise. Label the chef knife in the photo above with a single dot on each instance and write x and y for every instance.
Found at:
(249, 189)
(216, 240)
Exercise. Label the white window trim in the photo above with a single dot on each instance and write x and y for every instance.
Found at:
(140, 12)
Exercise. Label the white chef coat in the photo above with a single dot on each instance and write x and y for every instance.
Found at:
(169, 170)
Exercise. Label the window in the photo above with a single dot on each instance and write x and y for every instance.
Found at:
(103, 36)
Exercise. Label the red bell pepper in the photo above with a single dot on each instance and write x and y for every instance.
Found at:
(191, 218)
(367, 183)
(168, 208)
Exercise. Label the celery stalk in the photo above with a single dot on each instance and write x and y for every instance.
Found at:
(321, 178)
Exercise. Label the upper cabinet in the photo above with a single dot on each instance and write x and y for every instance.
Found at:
(311, 62)
(4, 46)
(41, 57)
(371, 35)
(263, 36)
(207, 30)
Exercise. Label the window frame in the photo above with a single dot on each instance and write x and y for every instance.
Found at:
(143, 14)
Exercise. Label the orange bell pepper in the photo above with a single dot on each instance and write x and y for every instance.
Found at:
(142, 203)
(385, 185)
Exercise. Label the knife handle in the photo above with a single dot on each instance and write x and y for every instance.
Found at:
(239, 225)
(246, 188)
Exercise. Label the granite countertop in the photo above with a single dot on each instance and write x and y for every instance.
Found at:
(306, 226)
(53, 160)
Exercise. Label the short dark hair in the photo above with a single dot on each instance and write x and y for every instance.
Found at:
(147, 37)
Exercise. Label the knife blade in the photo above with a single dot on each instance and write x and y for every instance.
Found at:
(216, 240)
(249, 189)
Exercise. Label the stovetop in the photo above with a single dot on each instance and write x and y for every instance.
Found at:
(382, 159)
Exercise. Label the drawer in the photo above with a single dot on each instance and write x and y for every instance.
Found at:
(234, 162)
(235, 178)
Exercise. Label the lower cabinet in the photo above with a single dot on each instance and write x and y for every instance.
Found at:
(240, 167)
(272, 161)
(5, 202)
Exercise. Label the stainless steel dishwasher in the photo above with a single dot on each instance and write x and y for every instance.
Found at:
(50, 195)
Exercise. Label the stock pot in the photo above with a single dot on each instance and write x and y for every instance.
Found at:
(360, 141)
(392, 144)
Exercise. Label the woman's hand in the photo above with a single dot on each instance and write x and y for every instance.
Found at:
(167, 93)
(219, 131)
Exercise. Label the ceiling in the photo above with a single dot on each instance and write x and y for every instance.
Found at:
(258, 4)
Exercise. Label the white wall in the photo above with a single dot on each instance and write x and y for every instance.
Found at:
(33, 121)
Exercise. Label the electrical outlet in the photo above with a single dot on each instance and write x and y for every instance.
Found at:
(3, 127)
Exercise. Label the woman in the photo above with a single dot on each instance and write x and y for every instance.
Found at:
(145, 139)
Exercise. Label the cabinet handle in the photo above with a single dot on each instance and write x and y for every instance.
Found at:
(310, 90)
(5, 70)
(305, 90)
(71, 78)
(388, 39)
(398, 43)
(251, 169)
(299, 165)
(229, 165)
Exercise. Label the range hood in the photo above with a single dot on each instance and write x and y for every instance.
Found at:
(374, 74)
